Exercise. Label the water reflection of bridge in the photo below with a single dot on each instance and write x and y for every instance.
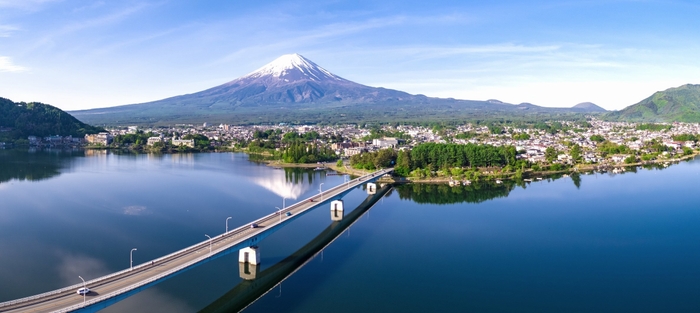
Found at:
(257, 284)
(117, 286)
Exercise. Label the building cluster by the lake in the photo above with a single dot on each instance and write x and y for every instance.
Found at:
(531, 143)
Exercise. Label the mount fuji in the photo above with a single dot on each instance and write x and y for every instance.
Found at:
(294, 89)
(292, 78)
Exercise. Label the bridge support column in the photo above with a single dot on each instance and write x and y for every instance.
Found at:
(248, 271)
(371, 188)
(337, 210)
(249, 255)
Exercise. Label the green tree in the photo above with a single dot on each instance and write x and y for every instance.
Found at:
(597, 138)
(551, 154)
(576, 153)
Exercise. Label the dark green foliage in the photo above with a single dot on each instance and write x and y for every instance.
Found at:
(576, 153)
(685, 137)
(521, 136)
(550, 154)
(435, 156)
(653, 127)
(201, 142)
(597, 138)
(307, 153)
(38, 119)
(140, 138)
(374, 160)
(608, 147)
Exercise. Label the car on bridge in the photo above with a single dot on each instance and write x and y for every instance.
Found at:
(254, 225)
(83, 291)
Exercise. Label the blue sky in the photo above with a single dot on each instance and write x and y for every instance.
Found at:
(89, 54)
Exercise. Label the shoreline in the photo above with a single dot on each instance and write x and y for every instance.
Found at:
(507, 176)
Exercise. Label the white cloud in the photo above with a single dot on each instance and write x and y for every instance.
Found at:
(71, 266)
(7, 30)
(6, 65)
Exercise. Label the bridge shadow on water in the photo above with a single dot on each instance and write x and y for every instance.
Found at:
(248, 291)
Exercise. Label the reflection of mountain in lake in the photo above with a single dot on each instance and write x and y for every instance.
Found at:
(444, 194)
(25, 165)
(290, 183)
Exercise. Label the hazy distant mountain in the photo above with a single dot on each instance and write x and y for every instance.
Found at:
(680, 104)
(588, 107)
(295, 89)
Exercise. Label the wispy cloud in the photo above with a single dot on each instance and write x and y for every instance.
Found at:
(6, 65)
(135, 210)
(99, 21)
(29, 5)
(7, 30)
(72, 265)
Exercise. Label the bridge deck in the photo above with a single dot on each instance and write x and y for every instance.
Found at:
(142, 276)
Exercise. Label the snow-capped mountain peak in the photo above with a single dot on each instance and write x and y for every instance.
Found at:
(290, 67)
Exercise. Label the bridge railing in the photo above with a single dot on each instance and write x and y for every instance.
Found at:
(197, 246)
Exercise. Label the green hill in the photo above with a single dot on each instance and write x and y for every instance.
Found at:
(681, 104)
(19, 120)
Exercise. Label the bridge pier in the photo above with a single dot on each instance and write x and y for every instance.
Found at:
(248, 271)
(249, 255)
(371, 188)
(337, 210)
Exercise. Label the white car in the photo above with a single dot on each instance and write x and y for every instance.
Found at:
(83, 291)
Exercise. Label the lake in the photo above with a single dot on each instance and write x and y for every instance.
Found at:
(587, 243)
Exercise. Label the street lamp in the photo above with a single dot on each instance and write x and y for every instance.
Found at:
(283, 204)
(279, 212)
(131, 259)
(84, 293)
(228, 218)
(320, 189)
(209, 242)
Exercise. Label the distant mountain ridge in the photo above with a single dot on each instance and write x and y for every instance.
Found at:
(679, 104)
(293, 88)
(22, 119)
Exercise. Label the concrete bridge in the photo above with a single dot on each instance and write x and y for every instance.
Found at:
(109, 289)
(258, 283)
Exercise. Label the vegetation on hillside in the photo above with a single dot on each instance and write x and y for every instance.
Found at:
(19, 120)
(681, 104)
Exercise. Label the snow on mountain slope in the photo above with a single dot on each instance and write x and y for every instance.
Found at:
(293, 67)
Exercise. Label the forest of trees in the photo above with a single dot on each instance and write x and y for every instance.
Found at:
(19, 120)
(434, 156)
(374, 160)
(300, 152)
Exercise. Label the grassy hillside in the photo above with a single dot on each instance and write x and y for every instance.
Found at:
(681, 104)
(19, 120)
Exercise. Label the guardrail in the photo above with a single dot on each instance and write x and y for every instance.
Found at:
(204, 244)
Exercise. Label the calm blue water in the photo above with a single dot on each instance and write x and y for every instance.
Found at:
(627, 242)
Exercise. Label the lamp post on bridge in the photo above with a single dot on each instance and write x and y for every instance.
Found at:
(209, 243)
(279, 212)
(320, 189)
(131, 259)
(84, 293)
(284, 205)
(228, 218)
